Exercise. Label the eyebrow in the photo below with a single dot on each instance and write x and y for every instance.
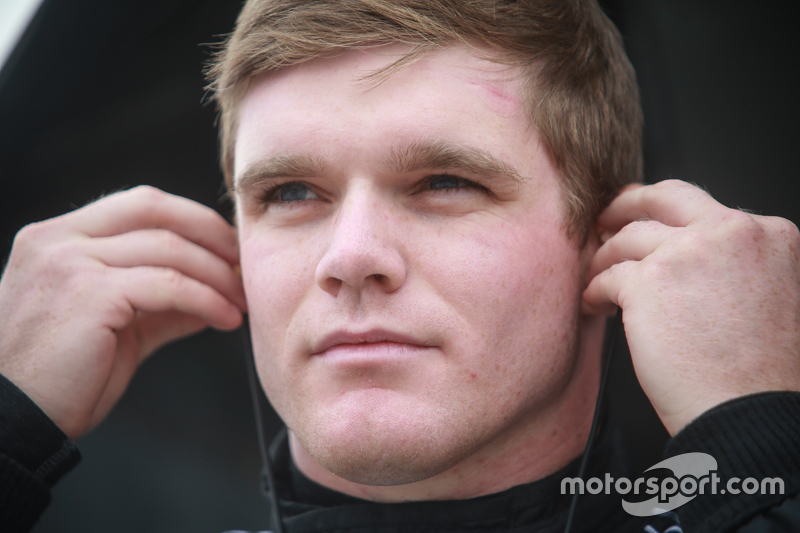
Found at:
(444, 155)
(280, 166)
(411, 157)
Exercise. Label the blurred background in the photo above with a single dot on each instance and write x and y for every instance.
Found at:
(103, 95)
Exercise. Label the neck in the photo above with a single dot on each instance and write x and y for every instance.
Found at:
(532, 449)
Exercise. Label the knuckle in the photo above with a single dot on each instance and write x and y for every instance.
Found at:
(653, 270)
(639, 226)
(676, 186)
(787, 228)
(616, 246)
(672, 183)
(36, 249)
(148, 191)
(147, 195)
(174, 279)
(169, 241)
(658, 190)
(617, 269)
(25, 243)
(785, 236)
(738, 216)
(743, 226)
(793, 235)
(32, 235)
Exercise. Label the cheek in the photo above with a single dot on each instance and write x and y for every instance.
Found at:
(277, 270)
(516, 294)
(503, 272)
(277, 276)
(274, 282)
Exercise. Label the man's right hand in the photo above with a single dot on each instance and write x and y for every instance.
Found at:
(87, 296)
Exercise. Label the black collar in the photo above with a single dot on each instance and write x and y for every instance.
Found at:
(308, 507)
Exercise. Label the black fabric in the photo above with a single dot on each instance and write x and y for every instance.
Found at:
(23, 497)
(34, 454)
(31, 438)
(784, 517)
(756, 436)
(310, 492)
(308, 507)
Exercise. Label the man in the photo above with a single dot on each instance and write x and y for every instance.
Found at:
(417, 200)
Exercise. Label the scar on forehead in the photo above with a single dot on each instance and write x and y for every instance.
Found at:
(500, 100)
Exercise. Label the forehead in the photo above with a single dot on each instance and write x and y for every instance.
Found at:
(450, 94)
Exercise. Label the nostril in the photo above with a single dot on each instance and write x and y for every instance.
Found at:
(331, 285)
(379, 277)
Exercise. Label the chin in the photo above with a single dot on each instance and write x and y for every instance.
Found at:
(386, 444)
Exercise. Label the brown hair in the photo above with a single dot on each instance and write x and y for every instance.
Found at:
(582, 95)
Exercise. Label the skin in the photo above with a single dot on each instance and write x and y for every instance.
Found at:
(96, 291)
(369, 246)
(710, 295)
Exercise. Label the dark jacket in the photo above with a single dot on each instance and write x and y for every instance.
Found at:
(757, 436)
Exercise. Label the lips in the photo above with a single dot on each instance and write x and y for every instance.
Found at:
(370, 340)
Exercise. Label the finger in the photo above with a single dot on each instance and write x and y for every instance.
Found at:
(634, 242)
(147, 207)
(604, 292)
(157, 290)
(161, 328)
(671, 202)
(158, 247)
(151, 330)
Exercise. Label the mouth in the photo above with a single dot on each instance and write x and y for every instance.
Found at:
(371, 345)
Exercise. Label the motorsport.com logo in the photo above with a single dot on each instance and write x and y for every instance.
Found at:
(693, 474)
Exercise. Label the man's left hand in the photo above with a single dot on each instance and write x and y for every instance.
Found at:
(710, 297)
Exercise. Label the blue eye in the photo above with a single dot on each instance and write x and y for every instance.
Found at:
(446, 181)
(292, 192)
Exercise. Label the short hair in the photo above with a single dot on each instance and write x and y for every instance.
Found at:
(580, 89)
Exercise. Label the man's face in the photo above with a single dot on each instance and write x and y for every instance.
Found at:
(412, 293)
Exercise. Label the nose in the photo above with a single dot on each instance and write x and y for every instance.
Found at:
(362, 252)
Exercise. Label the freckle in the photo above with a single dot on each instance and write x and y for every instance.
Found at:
(497, 368)
(555, 432)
